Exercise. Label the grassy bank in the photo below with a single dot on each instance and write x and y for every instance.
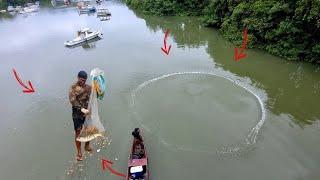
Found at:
(286, 28)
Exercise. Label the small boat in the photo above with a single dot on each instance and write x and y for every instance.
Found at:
(10, 9)
(30, 7)
(103, 12)
(83, 35)
(86, 9)
(138, 168)
(18, 8)
(87, 45)
(61, 4)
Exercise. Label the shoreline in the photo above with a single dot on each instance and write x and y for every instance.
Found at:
(289, 31)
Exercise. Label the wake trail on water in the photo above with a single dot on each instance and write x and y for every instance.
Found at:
(228, 150)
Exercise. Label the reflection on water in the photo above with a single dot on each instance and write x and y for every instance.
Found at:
(292, 87)
(37, 128)
(192, 90)
(185, 31)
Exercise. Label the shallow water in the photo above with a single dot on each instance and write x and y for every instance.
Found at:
(196, 126)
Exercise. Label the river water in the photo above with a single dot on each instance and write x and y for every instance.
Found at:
(203, 115)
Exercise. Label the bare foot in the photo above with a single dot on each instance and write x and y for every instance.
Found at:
(79, 157)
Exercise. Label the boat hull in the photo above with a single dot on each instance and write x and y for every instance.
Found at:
(74, 43)
(87, 10)
(138, 162)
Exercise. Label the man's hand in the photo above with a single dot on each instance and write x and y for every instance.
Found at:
(85, 111)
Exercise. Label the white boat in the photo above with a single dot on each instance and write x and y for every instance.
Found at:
(103, 12)
(10, 8)
(83, 35)
(30, 7)
(86, 9)
(18, 8)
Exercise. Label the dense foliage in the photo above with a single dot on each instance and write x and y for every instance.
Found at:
(286, 28)
(169, 7)
(5, 3)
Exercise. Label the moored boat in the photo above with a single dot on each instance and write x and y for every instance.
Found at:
(31, 9)
(18, 8)
(83, 35)
(10, 9)
(86, 9)
(103, 12)
(138, 168)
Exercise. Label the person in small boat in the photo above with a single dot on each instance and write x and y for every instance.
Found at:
(136, 134)
(138, 151)
(79, 95)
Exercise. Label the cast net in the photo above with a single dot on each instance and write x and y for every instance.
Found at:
(92, 127)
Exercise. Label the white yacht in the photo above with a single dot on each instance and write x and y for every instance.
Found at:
(86, 9)
(83, 35)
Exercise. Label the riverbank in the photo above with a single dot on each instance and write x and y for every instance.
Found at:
(286, 29)
(217, 114)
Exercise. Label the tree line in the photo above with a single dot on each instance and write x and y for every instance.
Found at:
(286, 28)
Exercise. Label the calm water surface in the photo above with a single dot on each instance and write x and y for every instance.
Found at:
(197, 123)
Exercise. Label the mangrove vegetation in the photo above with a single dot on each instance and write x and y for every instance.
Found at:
(285, 28)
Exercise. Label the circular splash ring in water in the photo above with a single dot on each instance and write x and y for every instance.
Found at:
(251, 137)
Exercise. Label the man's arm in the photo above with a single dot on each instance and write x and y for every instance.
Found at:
(72, 96)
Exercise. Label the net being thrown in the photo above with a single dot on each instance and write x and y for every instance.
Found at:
(92, 127)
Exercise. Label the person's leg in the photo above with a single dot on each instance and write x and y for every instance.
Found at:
(77, 122)
(78, 145)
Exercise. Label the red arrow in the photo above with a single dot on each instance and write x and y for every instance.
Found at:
(106, 164)
(238, 56)
(29, 89)
(165, 50)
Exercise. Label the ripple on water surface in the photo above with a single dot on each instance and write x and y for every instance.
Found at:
(196, 112)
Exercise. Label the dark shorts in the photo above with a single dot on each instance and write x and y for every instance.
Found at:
(78, 118)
